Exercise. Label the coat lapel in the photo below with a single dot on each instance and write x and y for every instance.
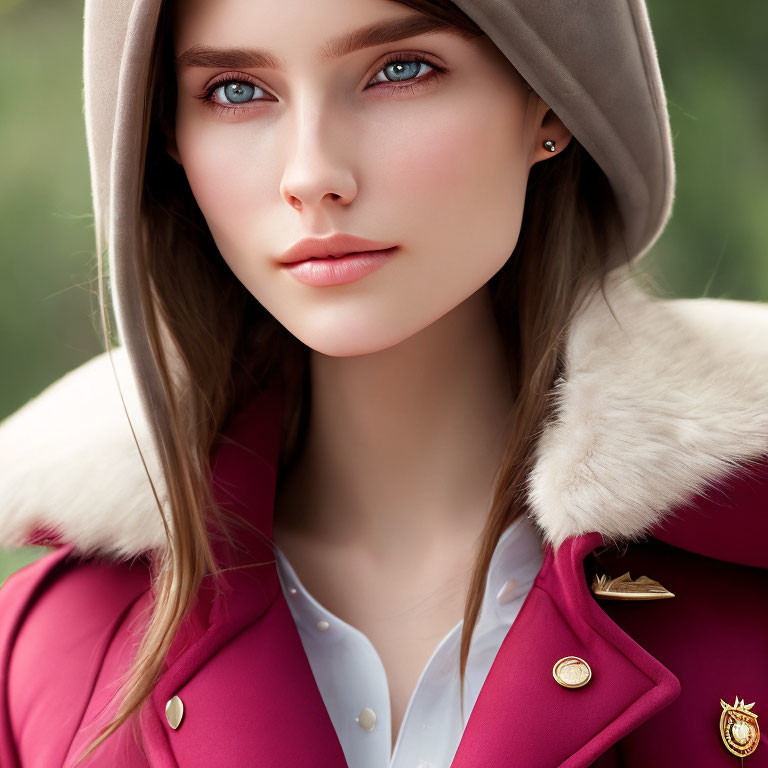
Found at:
(248, 689)
(252, 700)
(238, 664)
(523, 716)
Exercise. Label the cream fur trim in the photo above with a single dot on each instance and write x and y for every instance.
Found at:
(70, 464)
(651, 409)
(655, 405)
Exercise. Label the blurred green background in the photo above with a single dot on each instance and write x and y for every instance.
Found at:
(712, 60)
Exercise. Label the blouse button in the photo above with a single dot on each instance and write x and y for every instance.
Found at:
(323, 625)
(367, 719)
(292, 590)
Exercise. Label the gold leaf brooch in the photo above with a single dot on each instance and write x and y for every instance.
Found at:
(624, 588)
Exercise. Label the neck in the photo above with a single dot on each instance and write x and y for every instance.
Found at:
(403, 444)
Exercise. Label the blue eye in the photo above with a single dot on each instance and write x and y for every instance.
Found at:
(398, 68)
(239, 92)
(403, 69)
(233, 92)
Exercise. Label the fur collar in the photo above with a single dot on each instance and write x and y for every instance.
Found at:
(660, 398)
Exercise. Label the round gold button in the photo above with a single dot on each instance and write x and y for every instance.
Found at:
(174, 712)
(572, 672)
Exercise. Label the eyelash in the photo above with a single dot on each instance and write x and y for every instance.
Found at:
(414, 84)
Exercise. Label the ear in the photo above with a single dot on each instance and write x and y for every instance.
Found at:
(551, 129)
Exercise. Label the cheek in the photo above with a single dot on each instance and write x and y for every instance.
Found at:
(228, 180)
(445, 154)
(459, 179)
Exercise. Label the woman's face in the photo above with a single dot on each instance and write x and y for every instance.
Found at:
(430, 157)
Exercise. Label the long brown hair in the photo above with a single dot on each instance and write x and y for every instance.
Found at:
(215, 345)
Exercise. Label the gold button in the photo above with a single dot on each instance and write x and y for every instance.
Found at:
(174, 711)
(572, 672)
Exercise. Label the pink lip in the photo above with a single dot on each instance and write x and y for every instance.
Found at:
(342, 269)
(335, 244)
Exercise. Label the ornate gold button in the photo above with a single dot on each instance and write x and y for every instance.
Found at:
(572, 672)
(738, 728)
(174, 711)
(625, 588)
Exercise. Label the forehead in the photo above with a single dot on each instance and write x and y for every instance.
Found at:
(252, 33)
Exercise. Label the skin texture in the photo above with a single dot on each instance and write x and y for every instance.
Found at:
(409, 390)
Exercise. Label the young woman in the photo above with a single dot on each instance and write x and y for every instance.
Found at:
(424, 477)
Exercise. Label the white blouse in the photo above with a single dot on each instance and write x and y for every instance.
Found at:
(353, 683)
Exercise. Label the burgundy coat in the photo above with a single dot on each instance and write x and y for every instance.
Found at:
(70, 621)
(660, 667)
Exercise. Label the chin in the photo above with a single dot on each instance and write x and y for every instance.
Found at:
(339, 342)
(344, 347)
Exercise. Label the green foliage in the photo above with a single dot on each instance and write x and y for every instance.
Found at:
(712, 62)
(47, 258)
(12, 560)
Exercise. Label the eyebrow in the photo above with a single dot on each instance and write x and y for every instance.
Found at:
(378, 33)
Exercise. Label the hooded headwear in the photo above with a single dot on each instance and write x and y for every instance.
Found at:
(652, 407)
(593, 63)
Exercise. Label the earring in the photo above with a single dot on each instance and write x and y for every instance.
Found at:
(550, 145)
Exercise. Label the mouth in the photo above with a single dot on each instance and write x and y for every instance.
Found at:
(347, 255)
(336, 270)
(337, 246)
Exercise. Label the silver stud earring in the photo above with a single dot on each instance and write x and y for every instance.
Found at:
(550, 145)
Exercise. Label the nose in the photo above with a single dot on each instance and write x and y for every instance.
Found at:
(317, 168)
